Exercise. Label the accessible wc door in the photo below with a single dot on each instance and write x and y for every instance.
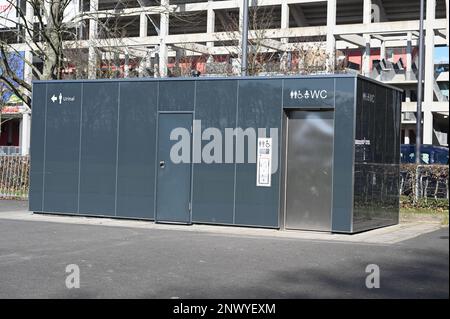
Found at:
(309, 170)
(173, 189)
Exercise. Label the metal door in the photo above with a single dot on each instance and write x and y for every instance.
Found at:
(309, 170)
(173, 189)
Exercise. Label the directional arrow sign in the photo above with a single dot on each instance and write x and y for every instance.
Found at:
(53, 98)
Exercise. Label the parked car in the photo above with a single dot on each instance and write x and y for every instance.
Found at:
(430, 154)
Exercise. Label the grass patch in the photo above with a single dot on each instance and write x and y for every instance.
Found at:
(424, 214)
(425, 209)
(422, 211)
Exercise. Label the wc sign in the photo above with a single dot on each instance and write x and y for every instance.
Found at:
(308, 94)
(369, 97)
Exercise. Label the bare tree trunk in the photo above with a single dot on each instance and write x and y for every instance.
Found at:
(53, 49)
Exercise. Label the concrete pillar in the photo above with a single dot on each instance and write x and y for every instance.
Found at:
(163, 32)
(284, 18)
(28, 71)
(238, 61)
(24, 127)
(427, 126)
(429, 72)
(148, 60)
(446, 16)
(407, 139)
(24, 133)
(367, 11)
(141, 68)
(409, 52)
(331, 40)
(145, 64)
(126, 65)
(367, 18)
(210, 22)
(383, 50)
(143, 24)
(407, 95)
(93, 30)
(366, 55)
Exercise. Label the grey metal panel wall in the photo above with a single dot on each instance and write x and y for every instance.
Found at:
(136, 153)
(343, 154)
(393, 163)
(122, 148)
(62, 149)
(213, 186)
(397, 105)
(376, 187)
(37, 147)
(99, 149)
(259, 106)
(176, 95)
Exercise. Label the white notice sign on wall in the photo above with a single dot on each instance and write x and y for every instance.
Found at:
(264, 162)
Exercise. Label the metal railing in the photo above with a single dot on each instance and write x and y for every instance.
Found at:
(10, 150)
(14, 176)
(433, 180)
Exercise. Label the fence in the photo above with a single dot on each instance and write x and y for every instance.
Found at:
(433, 181)
(14, 177)
(10, 150)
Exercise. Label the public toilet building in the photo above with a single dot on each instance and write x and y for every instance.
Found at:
(305, 152)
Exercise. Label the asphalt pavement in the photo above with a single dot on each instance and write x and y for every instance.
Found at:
(121, 262)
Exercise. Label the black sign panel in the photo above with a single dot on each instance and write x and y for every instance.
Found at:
(311, 93)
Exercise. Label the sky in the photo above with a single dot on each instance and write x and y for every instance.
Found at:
(440, 54)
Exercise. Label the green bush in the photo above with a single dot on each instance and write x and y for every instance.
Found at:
(434, 204)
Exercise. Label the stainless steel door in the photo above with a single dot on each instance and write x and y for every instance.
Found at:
(309, 170)
(173, 190)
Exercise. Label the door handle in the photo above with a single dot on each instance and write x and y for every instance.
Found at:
(162, 164)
